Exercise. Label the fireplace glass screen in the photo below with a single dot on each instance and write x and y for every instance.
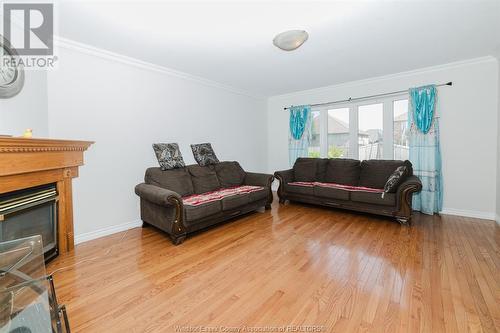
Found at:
(28, 213)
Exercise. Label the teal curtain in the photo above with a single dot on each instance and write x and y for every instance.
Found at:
(425, 152)
(299, 133)
(423, 101)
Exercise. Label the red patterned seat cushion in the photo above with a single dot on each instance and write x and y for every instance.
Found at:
(200, 199)
(339, 186)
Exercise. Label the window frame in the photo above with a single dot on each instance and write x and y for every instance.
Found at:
(387, 124)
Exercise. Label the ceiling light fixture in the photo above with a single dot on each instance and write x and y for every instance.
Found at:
(290, 40)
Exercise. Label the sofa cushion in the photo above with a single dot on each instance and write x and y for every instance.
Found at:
(168, 155)
(331, 193)
(200, 199)
(304, 169)
(259, 195)
(321, 167)
(302, 189)
(375, 173)
(204, 179)
(193, 213)
(204, 154)
(177, 180)
(235, 201)
(229, 174)
(389, 199)
(343, 171)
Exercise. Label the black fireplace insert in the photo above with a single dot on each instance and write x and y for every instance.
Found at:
(30, 212)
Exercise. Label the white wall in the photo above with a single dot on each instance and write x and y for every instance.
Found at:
(125, 108)
(28, 109)
(468, 127)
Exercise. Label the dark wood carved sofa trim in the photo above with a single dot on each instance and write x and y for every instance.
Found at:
(400, 209)
(161, 197)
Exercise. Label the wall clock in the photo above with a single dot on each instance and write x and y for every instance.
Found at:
(11, 76)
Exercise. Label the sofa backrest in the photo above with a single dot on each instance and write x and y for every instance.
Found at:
(230, 173)
(307, 169)
(195, 179)
(177, 180)
(332, 170)
(374, 173)
(204, 178)
(345, 171)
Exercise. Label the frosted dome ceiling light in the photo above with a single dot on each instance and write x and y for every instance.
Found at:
(290, 40)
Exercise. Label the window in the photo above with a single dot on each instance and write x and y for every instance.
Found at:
(375, 129)
(400, 125)
(314, 145)
(338, 133)
(370, 131)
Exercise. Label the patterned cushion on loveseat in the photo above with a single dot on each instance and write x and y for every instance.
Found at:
(169, 156)
(204, 154)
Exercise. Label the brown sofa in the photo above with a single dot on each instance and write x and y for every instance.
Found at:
(165, 196)
(309, 179)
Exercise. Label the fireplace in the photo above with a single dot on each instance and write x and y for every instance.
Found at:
(34, 163)
(29, 212)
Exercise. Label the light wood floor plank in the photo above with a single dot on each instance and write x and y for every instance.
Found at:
(293, 265)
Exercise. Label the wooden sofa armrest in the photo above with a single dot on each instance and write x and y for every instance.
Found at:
(284, 177)
(404, 196)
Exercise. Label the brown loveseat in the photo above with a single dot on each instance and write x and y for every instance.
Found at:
(349, 184)
(184, 200)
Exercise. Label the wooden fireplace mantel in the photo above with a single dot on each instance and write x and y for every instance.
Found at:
(26, 163)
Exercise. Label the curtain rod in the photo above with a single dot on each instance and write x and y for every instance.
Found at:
(350, 99)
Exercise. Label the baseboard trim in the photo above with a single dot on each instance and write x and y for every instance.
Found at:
(469, 213)
(87, 236)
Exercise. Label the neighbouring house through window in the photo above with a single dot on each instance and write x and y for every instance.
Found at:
(338, 133)
(370, 131)
(400, 126)
(314, 145)
(374, 129)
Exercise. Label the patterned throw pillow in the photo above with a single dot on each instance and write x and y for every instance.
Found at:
(168, 155)
(395, 179)
(204, 154)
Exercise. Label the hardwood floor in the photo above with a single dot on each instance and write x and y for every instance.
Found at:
(294, 265)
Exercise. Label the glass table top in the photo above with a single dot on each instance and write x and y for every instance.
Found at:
(27, 295)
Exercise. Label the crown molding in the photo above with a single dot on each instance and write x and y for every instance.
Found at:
(108, 55)
(399, 75)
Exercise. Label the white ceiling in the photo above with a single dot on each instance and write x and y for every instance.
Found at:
(231, 42)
